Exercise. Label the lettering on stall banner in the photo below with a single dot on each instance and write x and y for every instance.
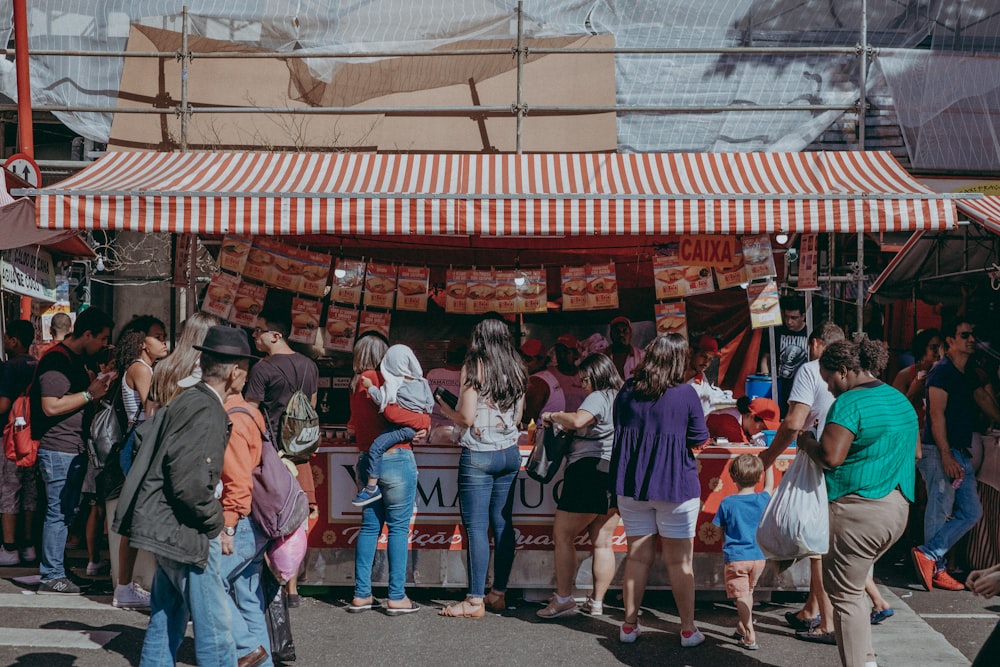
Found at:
(29, 271)
(705, 250)
(452, 537)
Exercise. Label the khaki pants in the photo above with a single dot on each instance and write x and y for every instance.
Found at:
(145, 563)
(861, 530)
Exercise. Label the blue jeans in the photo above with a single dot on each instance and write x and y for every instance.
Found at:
(241, 577)
(181, 592)
(62, 475)
(951, 512)
(486, 493)
(382, 443)
(398, 483)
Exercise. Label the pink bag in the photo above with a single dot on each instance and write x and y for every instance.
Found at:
(286, 554)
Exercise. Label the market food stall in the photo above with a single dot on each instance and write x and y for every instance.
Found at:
(402, 243)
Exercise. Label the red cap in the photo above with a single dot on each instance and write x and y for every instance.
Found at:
(707, 344)
(621, 319)
(568, 340)
(533, 348)
(768, 412)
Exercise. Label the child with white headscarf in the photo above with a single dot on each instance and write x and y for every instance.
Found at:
(404, 386)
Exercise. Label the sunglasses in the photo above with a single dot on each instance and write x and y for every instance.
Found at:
(967, 335)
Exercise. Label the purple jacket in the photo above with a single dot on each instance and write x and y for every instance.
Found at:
(652, 458)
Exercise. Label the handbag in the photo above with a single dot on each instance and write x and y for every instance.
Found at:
(796, 521)
(547, 452)
(279, 625)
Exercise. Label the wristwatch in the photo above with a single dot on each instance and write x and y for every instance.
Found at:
(229, 530)
(87, 395)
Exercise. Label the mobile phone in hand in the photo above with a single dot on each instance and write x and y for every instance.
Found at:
(450, 399)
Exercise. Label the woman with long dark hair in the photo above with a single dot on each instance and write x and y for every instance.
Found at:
(490, 404)
(658, 421)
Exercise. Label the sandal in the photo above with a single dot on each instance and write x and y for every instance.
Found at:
(464, 609)
(496, 601)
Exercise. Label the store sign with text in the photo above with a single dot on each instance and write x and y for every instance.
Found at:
(29, 271)
(707, 250)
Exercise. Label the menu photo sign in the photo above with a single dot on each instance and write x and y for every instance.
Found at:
(412, 286)
(671, 318)
(247, 304)
(380, 285)
(260, 261)
(305, 320)
(221, 294)
(456, 284)
(375, 321)
(506, 291)
(481, 292)
(574, 287)
(757, 257)
(808, 269)
(732, 276)
(764, 304)
(233, 253)
(669, 277)
(348, 277)
(532, 293)
(315, 271)
(602, 286)
(338, 333)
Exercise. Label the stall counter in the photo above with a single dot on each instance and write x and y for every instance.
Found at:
(436, 536)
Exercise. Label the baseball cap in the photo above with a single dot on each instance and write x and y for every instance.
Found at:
(708, 344)
(533, 348)
(568, 340)
(767, 410)
(621, 319)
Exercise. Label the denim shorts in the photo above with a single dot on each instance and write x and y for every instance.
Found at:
(649, 517)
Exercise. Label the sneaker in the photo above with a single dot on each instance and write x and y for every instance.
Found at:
(629, 636)
(924, 567)
(879, 616)
(28, 554)
(592, 607)
(294, 600)
(945, 581)
(61, 586)
(98, 568)
(555, 609)
(8, 558)
(130, 596)
(366, 497)
(690, 639)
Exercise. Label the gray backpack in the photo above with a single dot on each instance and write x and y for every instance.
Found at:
(298, 429)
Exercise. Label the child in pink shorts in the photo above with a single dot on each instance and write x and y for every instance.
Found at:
(738, 517)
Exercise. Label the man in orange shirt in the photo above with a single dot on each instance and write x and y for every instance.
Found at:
(243, 543)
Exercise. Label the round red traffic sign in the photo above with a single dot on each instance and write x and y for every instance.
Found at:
(22, 166)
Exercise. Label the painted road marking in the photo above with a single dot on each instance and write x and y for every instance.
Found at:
(992, 617)
(62, 639)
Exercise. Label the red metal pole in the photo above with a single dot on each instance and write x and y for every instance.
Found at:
(25, 131)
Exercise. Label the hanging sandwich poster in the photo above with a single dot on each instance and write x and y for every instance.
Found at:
(288, 271)
(380, 285)
(376, 321)
(807, 263)
(305, 320)
(506, 291)
(247, 304)
(233, 253)
(532, 294)
(258, 263)
(413, 286)
(348, 277)
(757, 257)
(481, 292)
(220, 294)
(574, 287)
(602, 286)
(338, 333)
(456, 283)
(764, 308)
(315, 271)
(732, 276)
(699, 280)
(668, 278)
(671, 318)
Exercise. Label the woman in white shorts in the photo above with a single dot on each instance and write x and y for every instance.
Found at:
(658, 421)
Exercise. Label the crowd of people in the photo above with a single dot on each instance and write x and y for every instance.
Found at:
(635, 419)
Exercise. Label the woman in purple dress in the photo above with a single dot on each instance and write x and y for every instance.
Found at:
(658, 421)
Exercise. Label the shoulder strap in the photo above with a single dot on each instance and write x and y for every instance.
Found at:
(242, 410)
(34, 378)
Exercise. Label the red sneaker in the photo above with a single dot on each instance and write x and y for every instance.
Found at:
(924, 567)
(947, 582)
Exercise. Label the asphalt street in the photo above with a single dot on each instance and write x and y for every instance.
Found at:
(936, 628)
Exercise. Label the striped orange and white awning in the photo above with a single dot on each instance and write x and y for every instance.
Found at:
(494, 195)
(985, 211)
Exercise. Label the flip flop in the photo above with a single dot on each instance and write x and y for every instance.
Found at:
(398, 611)
(879, 616)
(357, 609)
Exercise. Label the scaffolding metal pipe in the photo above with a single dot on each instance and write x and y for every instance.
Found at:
(519, 103)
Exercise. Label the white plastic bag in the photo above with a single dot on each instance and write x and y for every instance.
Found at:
(796, 522)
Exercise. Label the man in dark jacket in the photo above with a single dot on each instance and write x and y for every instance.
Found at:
(170, 506)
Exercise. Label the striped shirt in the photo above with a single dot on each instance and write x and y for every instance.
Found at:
(881, 458)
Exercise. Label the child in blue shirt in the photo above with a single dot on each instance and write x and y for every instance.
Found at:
(738, 517)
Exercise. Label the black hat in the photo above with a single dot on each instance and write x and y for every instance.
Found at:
(225, 341)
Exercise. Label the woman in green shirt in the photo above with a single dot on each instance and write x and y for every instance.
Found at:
(868, 450)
